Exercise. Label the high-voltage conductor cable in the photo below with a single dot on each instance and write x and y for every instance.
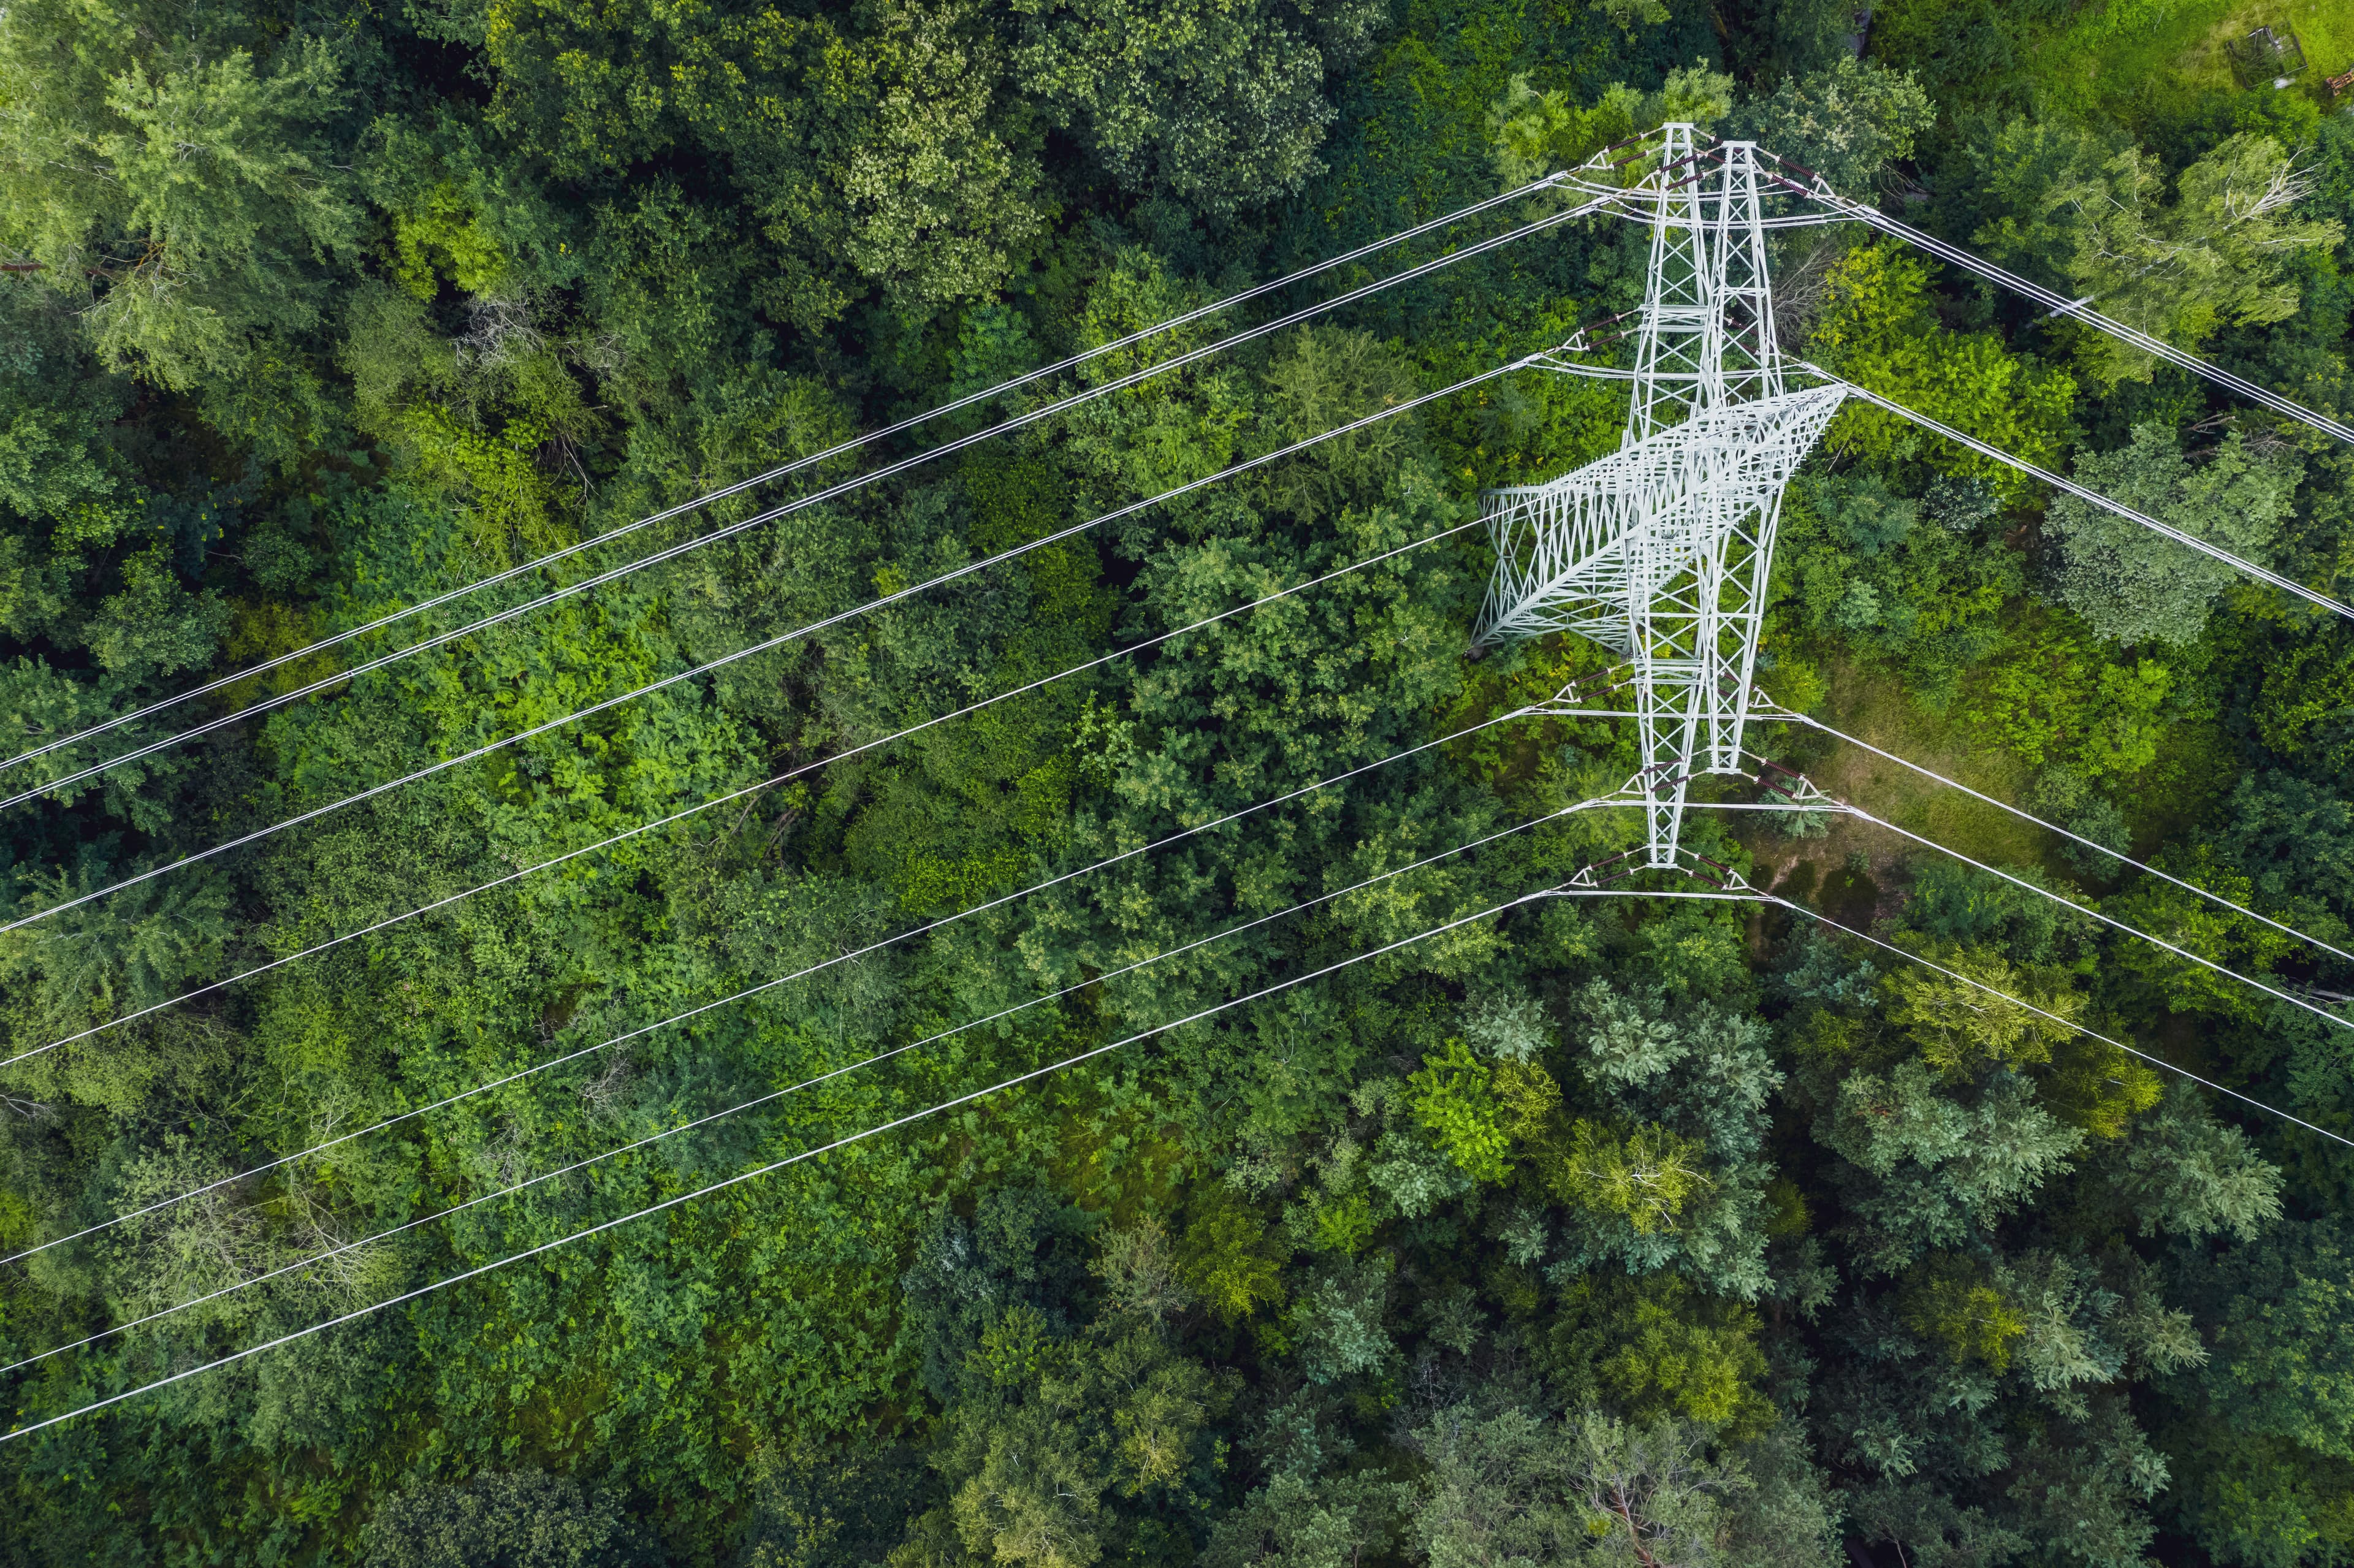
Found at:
(2108, 920)
(924, 928)
(1001, 1087)
(706, 806)
(832, 491)
(716, 802)
(1753, 896)
(2246, 569)
(2060, 304)
(1230, 472)
(879, 1057)
(1768, 709)
(784, 470)
(2067, 1022)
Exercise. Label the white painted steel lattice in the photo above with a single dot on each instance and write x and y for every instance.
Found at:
(1660, 551)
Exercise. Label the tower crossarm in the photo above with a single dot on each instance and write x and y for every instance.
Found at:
(1696, 494)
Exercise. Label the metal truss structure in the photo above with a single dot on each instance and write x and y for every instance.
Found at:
(1660, 551)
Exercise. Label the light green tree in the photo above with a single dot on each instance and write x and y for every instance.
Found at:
(1047, 1433)
(1537, 133)
(1879, 329)
(2136, 585)
(2183, 1173)
(1516, 1490)
(2092, 210)
(1945, 1167)
(1846, 123)
(944, 200)
(1304, 1521)
(116, 955)
(184, 192)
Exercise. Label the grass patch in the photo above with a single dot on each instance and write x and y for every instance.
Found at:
(1862, 859)
(2109, 55)
(2141, 64)
(2325, 28)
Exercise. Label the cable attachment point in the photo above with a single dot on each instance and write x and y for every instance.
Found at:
(1590, 338)
(1727, 880)
(1790, 789)
(1719, 875)
(1585, 876)
(1584, 688)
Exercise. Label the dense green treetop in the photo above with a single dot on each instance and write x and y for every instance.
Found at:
(1592, 1229)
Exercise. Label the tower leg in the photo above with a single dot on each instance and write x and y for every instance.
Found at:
(1672, 342)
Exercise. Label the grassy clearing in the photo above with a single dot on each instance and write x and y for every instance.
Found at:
(1867, 867)
(1859, 864)
(2325, 28)
(2109, 55)
(2143, 65)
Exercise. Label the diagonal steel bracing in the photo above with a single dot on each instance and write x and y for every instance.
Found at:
(1660, 551)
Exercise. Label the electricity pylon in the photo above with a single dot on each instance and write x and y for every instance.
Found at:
(1660, 550)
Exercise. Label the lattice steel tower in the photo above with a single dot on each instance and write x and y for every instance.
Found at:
(1660, 550)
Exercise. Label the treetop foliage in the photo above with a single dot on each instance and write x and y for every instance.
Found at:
(1593, 1230)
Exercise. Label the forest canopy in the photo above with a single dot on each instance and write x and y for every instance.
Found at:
(629, 946)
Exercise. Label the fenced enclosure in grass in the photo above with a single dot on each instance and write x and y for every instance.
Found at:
(2266, 54)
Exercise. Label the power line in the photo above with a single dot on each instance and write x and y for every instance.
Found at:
(859, 482)
(1768, 710)
(1229, 472)
(923, 929)
(1076, 1059)
(728, 799)
(784, 471)
(1831, 804)
(666, 1204)
(2247, 569)
(2093, 913)
(2070, 1023)
(2061, 305)
(1755, 895)
(774, 1095)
